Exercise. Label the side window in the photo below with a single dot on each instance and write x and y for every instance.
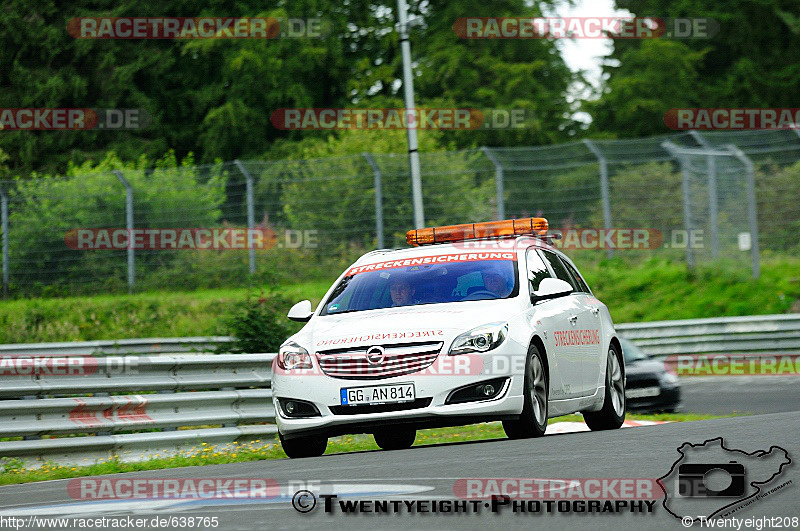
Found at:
(537, 271)
(560, 270)
(583, 287)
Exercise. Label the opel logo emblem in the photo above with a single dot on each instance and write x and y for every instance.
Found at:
(375, 355)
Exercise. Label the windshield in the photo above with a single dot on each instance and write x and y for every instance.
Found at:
(631, 352)
(424, 284)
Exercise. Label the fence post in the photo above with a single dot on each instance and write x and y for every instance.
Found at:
(687, 208)
(4, 216)
(711, 168)
(604, 193)
(751, 206)
(378, 185)
(129, 226)
(498, 182)
(251, 213)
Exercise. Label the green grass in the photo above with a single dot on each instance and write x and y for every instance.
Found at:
(635, 292)
(258, 451)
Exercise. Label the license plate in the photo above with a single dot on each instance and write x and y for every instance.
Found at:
(377, 394)
(642, 392)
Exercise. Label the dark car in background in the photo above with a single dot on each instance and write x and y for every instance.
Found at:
(649, 386)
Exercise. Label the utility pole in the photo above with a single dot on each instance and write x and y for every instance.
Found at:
(411, 129)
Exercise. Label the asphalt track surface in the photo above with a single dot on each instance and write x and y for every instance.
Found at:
(429, 473)
(725, 395)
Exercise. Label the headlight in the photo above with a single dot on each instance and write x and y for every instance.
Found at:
(293, 356)
(669, 379)
(481, 339)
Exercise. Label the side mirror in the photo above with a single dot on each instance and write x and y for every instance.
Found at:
(301, 312)
(551, 288)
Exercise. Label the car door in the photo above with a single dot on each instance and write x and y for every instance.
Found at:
(552, 316)
(594, 370)
(579, 338)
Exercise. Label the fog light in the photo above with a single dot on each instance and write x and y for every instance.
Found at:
(486, 390)
(294, 408)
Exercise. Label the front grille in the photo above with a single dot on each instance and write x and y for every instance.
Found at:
(399, 360)
(645, 382)
(380, 408)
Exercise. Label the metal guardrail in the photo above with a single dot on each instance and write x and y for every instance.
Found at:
(750, 335)
(176, 391)
(115, 374)
(104, 347)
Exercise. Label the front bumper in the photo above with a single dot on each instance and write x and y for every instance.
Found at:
(669, 399)
(431, 390)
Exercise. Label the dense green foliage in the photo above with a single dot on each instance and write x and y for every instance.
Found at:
(259, 324)
(754, 61)
(214, 97)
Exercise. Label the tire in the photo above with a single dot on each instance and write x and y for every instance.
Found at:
(395, 438)
(313, 446)
(533, 420)
(612, 415)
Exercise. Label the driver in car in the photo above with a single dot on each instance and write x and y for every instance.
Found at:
(402, 292)
(495, 283)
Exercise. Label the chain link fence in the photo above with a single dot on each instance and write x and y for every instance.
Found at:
(702, 197)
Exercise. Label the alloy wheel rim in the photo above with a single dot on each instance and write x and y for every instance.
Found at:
(538, 389)
(616, 387)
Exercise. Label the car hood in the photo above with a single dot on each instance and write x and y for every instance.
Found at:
(412, 324)
(644, 367)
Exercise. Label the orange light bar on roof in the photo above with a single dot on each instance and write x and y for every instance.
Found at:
(477, 231)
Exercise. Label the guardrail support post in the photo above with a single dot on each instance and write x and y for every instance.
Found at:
(251, 216)
(711, 168)
(4, 217)
(378, 185)
(751, 206)
(687, 207)
(604, 193)
(129, 226)
(498, 182)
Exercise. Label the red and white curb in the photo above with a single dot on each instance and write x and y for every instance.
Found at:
(573, 427)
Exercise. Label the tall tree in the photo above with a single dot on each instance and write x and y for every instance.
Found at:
(753, 61)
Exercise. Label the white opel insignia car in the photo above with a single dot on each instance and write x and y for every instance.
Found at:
(473, 323)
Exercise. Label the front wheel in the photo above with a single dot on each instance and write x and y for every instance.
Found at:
(612, 415)
(312, 446)
(533, 421)
(395, 438)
